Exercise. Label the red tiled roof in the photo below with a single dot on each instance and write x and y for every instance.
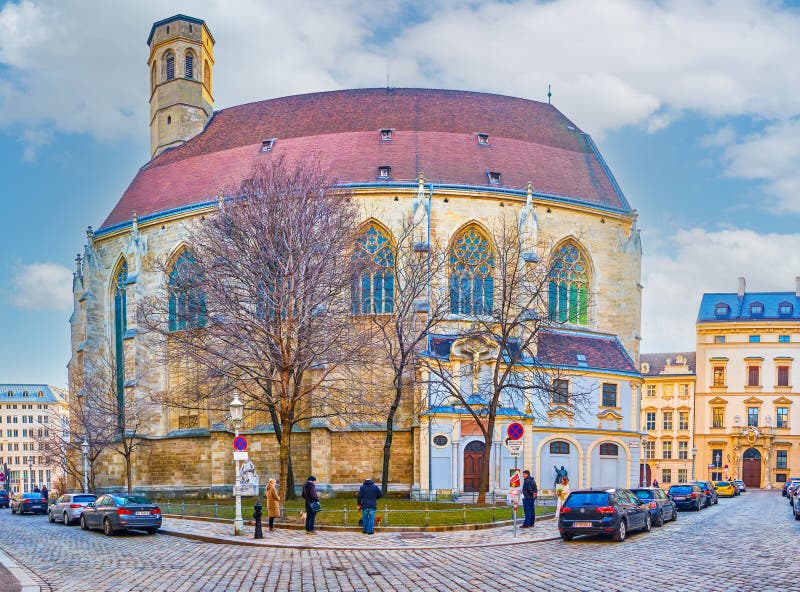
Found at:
(433, 132)
(602, 352)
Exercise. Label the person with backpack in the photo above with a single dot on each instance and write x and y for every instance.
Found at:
(529, 494)
(368, 495)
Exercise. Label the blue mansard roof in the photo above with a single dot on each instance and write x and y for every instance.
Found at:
(30, 393)
(752, 306)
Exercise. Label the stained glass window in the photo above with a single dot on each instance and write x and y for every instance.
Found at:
(187, 302)
(120, 327)
(568, 291)
(471, 281)
(373, 291)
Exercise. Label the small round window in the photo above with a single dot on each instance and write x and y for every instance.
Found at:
(440, 440)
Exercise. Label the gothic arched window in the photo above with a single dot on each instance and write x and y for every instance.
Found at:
(568, 290)
(471, 267)
(188, 71)
(207, 74)
(120, 328)
(187, 302)
(169, 59)
(373, 291)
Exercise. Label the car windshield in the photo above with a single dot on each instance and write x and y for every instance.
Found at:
(680, 489)
(643, 493)
(84, 498)
(723, 484)
(32, 496)
(124, 500)
(575, 500)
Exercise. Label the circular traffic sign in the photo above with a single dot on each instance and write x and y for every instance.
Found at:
(515, 431)
(240, 443)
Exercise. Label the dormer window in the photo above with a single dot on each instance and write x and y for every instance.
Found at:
(266, 145)
(41, 394)
(384, 172)
(756, 309)
(645, 367)
(722, 310)
(785, 309)
(386, 134)
(494, 177)
(483, 139)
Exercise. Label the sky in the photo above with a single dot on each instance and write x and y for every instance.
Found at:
(694, 104)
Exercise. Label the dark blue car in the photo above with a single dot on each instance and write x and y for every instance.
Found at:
(687, 496)
(662, 509)
(612, 512)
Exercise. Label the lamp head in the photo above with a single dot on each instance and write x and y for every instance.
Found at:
(237, 408)
(85, 446)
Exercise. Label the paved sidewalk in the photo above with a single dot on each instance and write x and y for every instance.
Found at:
(222, 532)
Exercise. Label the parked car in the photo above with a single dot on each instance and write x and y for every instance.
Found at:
(709, 491)
(725, 489)
(740, 484)
(662, 509)
(790, 481)
(612, 512)
(28, 502)
(687, 496)
(120, 511)
(5, 500)
(69, 507)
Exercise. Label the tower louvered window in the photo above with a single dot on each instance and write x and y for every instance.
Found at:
(189, 70)
(568, 291)
(471, 268)
(373, 291)
(170, 67)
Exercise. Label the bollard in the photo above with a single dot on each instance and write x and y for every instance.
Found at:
(463, 514)
(494, 512)
(183, 508)
(216, 509)
(427, 516)
(259, 534)
(386, 514)
(344, 514)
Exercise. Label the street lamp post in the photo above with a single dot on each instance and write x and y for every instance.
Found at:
(237, 408)
(694, 458)
(643, 455)
(85, 451)
(30, 471)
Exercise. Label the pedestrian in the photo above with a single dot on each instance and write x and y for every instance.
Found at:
(529, 494)
(44, 492)
(312, 503)
(273, 504)
(655, 483)
(367, 499)
(36, 489)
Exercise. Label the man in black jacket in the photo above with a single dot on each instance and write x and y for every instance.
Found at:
(529, 493)
(367, 499)
(311, 496)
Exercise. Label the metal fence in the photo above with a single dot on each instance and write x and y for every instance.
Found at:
(428, 515)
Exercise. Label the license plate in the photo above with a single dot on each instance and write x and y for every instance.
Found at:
(582, 524)
(679, 498)
(142, 513)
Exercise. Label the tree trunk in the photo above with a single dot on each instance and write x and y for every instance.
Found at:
(283, 456)
(128, 473)
(488, 438)
(387, 445)
(290, 493)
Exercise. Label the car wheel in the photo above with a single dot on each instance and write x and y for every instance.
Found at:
(674, 514)
(648, 522)
(50, 517)
(660, 519)
(621, 532)
(151, 530)
(107, 530)
(565, 536)
(716, 501)
(84, 526)
(698, 506)
(66, 519)
(796, 515)
(13, 511)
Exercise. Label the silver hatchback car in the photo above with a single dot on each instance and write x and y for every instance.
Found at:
(68, 507)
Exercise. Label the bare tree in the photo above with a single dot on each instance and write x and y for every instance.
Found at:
(263, 302)
(401, 330)
(492, 364)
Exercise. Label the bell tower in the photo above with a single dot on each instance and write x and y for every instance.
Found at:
(181, 63)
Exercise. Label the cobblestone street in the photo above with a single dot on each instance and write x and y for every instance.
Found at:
(742, 544)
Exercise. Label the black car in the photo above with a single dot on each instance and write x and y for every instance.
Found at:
(662, 509)
(4, 499)
(687, 496)
(709, 491)
(603, 511)
(28, 502)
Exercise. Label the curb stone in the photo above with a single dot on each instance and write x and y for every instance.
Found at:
(26, 583)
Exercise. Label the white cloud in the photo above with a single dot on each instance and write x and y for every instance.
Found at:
(706, 261)
(80, 67)
(33, 141)
(42, 286)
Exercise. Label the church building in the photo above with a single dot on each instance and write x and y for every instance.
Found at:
(460, 158)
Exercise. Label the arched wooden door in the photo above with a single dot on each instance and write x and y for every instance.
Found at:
(473, 459)
(751, 468)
